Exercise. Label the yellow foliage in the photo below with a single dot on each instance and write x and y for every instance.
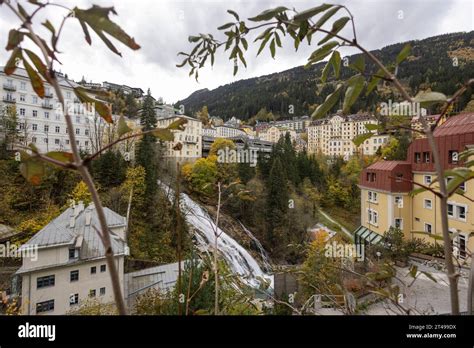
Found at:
(81, 194)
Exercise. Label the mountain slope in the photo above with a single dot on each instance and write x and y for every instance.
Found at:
(429, 65)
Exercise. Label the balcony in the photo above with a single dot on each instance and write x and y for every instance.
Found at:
(47, 105)
(9, 100)
(48, 94)
(9, 87)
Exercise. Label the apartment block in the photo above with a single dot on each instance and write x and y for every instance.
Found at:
(41, 121)
(190, 138)
(70, 266)
(332, 136)
(385, 188)
(273, 134)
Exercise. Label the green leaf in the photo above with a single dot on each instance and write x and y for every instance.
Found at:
(225, 26)
(100, 107)
(371, 126)
(87, 35)
(11, 65)
(321, 53)
(324, 74)
(359, 64)
(336, 28)
(233, 13)
(427, 98)
(35, 79)
(307, 14)
(356, 84)
(359, 140)
(417, 191)
(326, 16)
(163, 134)
(272, 48)
(330, 101)
(374, 81)
(245, 43)
(277, 39)
(15, 37)
(65, 157)
(403, 53)
(98, 19)
(178, 124)
(336, 63)
(268, 14)
(413, 271)
(123, 127)
(429, 275)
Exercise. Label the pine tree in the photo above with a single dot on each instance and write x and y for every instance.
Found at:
(147, 151)
(277, 198)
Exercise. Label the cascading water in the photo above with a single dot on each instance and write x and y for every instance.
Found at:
(239, 260)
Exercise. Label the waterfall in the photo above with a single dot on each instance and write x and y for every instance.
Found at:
(238, 259)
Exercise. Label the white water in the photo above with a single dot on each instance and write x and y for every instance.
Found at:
(239, 260)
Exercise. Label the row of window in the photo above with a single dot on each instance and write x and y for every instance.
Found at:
(57, 129)
(57, 115)
(48, 306)
(49, 280)
(34, 140)
(23, 87)
(425, 157)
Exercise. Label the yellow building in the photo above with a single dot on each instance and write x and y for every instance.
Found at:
(385, 188)
(190, 138)
(273, 134)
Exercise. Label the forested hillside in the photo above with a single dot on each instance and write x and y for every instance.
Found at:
(430, 65)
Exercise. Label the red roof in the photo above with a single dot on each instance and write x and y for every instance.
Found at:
(386, 165)
(456, 125)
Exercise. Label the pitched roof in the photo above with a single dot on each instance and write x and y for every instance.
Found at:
(456, 125)
(76, 225)
(386, 165)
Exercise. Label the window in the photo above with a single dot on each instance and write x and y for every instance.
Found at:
(78, 131)
(73, 299)
(398, 177)
(22, 97)
(56, 141)
(426, 157)
(428, 204)
(86, 132)
(78, 119)
(57, 129)
(92, 293)
(372, 216)
(74, 276)
(73, 253)
(45, 140)
(68, 95)
(461, 212)
(43, 282)
(371, 177)
(428, 228)
(33, 140)
(93, 270)
(22, 112)
(102, 291)
(35, 126)
(417, 157)
(399, 223)
(102, 268)
(427, 179)
(460, 243)
(46, 114)
(35, 100)
(399, 201)
(45, 306)
(23, 86)
(453, 156)
(35, 113)
(46, 128)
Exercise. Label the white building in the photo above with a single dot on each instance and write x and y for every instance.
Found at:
(370, 146)
(41, 121)
(190, 138)
(228, 132)
(273, 134)
(70, 265)
(332, 136)
(298, 124)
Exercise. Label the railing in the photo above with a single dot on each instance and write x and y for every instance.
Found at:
(9, 87)
(9, 100)
(47, 105)
(48, 95)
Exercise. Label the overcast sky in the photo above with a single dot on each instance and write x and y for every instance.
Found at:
(162, 27)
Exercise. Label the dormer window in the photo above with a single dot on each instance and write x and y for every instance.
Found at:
(73, 253)
(426, 157)
(417, 157)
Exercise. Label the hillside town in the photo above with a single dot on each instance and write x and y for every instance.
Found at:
(343, 187)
